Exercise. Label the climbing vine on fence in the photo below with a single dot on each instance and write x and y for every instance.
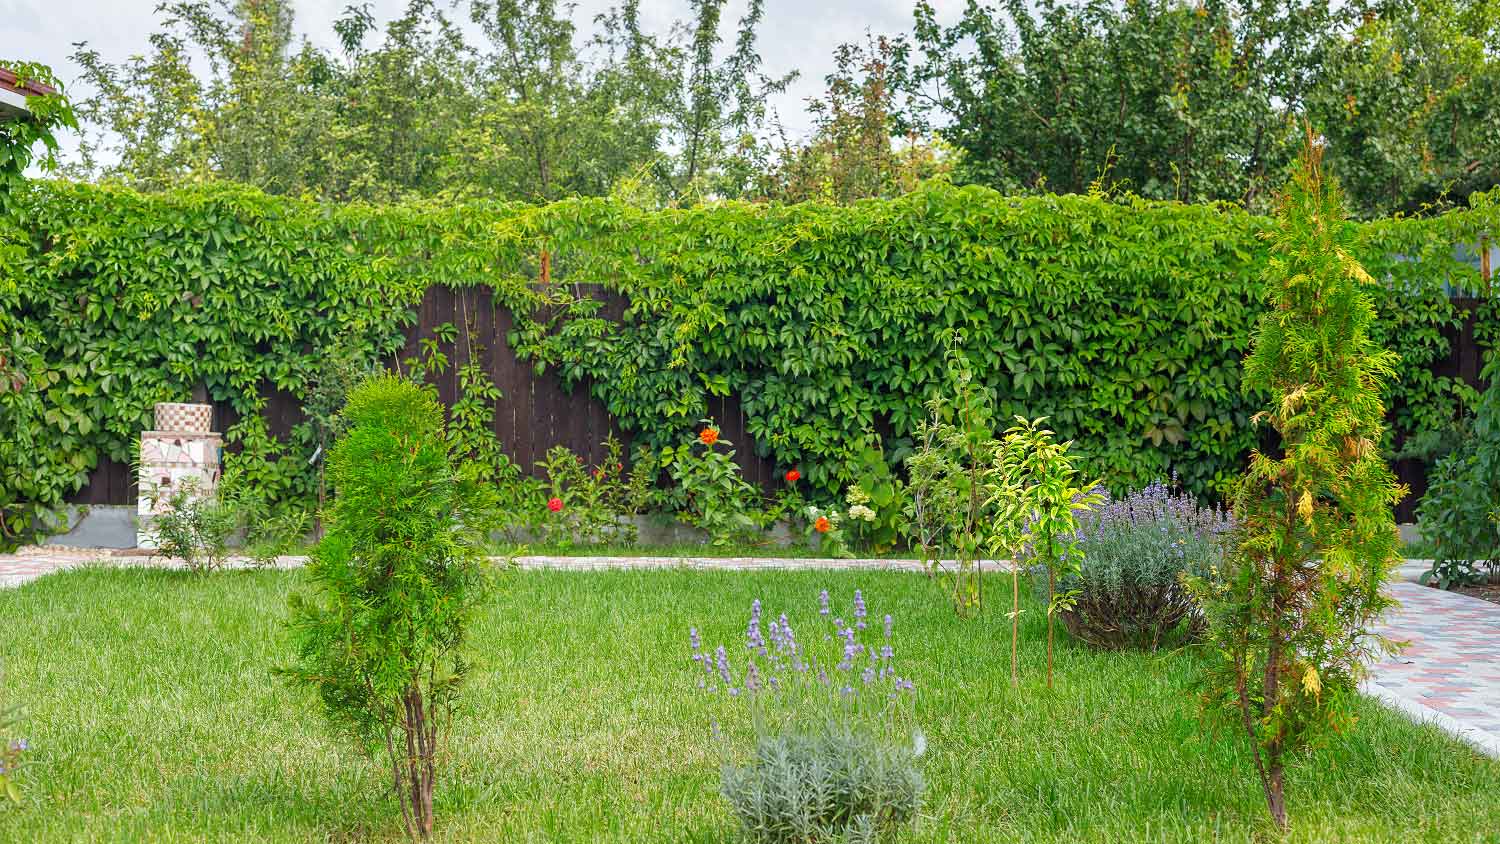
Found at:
(1123, 321)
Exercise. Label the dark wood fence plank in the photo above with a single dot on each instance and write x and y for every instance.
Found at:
(535, 413)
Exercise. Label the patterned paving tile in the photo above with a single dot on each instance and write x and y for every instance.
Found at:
(1449, 672)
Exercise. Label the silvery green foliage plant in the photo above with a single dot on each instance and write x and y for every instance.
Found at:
(12, 753)
(835, 756)
(1128, 588)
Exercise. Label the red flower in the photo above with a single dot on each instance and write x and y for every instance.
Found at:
(792, 476)
(598, 474)
(709, 436)
(554, 504)
(822, 525)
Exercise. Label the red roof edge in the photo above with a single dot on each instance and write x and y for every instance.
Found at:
(10, 82)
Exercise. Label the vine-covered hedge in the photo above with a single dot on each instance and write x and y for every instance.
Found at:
(1124, 321)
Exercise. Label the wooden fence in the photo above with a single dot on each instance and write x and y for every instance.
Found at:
(536, 413)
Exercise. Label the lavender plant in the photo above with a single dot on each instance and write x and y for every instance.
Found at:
(1136, 550)
(834, 754)
(10, 754)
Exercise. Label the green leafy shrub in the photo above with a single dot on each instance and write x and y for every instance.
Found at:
(1289, 625)
(587, 505)
(835, 756)
(1128, 589)
(708, 491)
(195, 527)
(395, 582)
(1460, 514)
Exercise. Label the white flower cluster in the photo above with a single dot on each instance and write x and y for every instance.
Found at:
(859, 504)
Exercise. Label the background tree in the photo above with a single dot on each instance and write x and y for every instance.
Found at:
(1289, 624)
(1410, 103)
(1169, 100)
(853, 153)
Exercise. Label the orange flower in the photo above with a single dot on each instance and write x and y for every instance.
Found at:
(822, 525)
(709, 436)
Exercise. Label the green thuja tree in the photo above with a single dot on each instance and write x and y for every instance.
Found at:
(396, 580)
(1290, 616)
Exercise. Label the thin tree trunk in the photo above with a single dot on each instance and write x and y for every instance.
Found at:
(1051, 587)
(1275, 794)
(1015, 621)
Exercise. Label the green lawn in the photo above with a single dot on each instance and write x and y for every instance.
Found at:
(154, 717)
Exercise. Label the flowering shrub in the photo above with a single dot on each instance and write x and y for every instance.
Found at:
(589, 505)
(834, 756)
(877, 501)
(1128, 589)
(825, 529)
(709, 492)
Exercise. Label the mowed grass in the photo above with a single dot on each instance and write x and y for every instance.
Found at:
(155, 717)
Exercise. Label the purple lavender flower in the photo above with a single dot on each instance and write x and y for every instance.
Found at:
(823, 602)
(868, 676)
(888, 625)
(859, 609)
(752, 678)
(722, 660)
(753, 638)
(697, 644)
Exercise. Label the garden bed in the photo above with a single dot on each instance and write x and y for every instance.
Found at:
(153, 715)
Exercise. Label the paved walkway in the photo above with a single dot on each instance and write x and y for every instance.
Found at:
(1448, 675)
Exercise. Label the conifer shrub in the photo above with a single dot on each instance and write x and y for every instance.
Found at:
(395, 582)
(1289, 620)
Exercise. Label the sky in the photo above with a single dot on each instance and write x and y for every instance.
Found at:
(794, 35)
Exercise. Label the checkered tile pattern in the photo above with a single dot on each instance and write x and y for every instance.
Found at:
(172, 416)
(1452, 664)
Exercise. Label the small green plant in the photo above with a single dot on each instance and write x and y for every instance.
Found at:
(395, 582)
(1459, 512)
(1290, 622)
(835, 755)
(949, 515)
(709, 491)
(270, 537)
(196, 525)
(1036, 496)
(589, 505)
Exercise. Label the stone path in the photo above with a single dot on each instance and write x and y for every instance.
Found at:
(1448, 675)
